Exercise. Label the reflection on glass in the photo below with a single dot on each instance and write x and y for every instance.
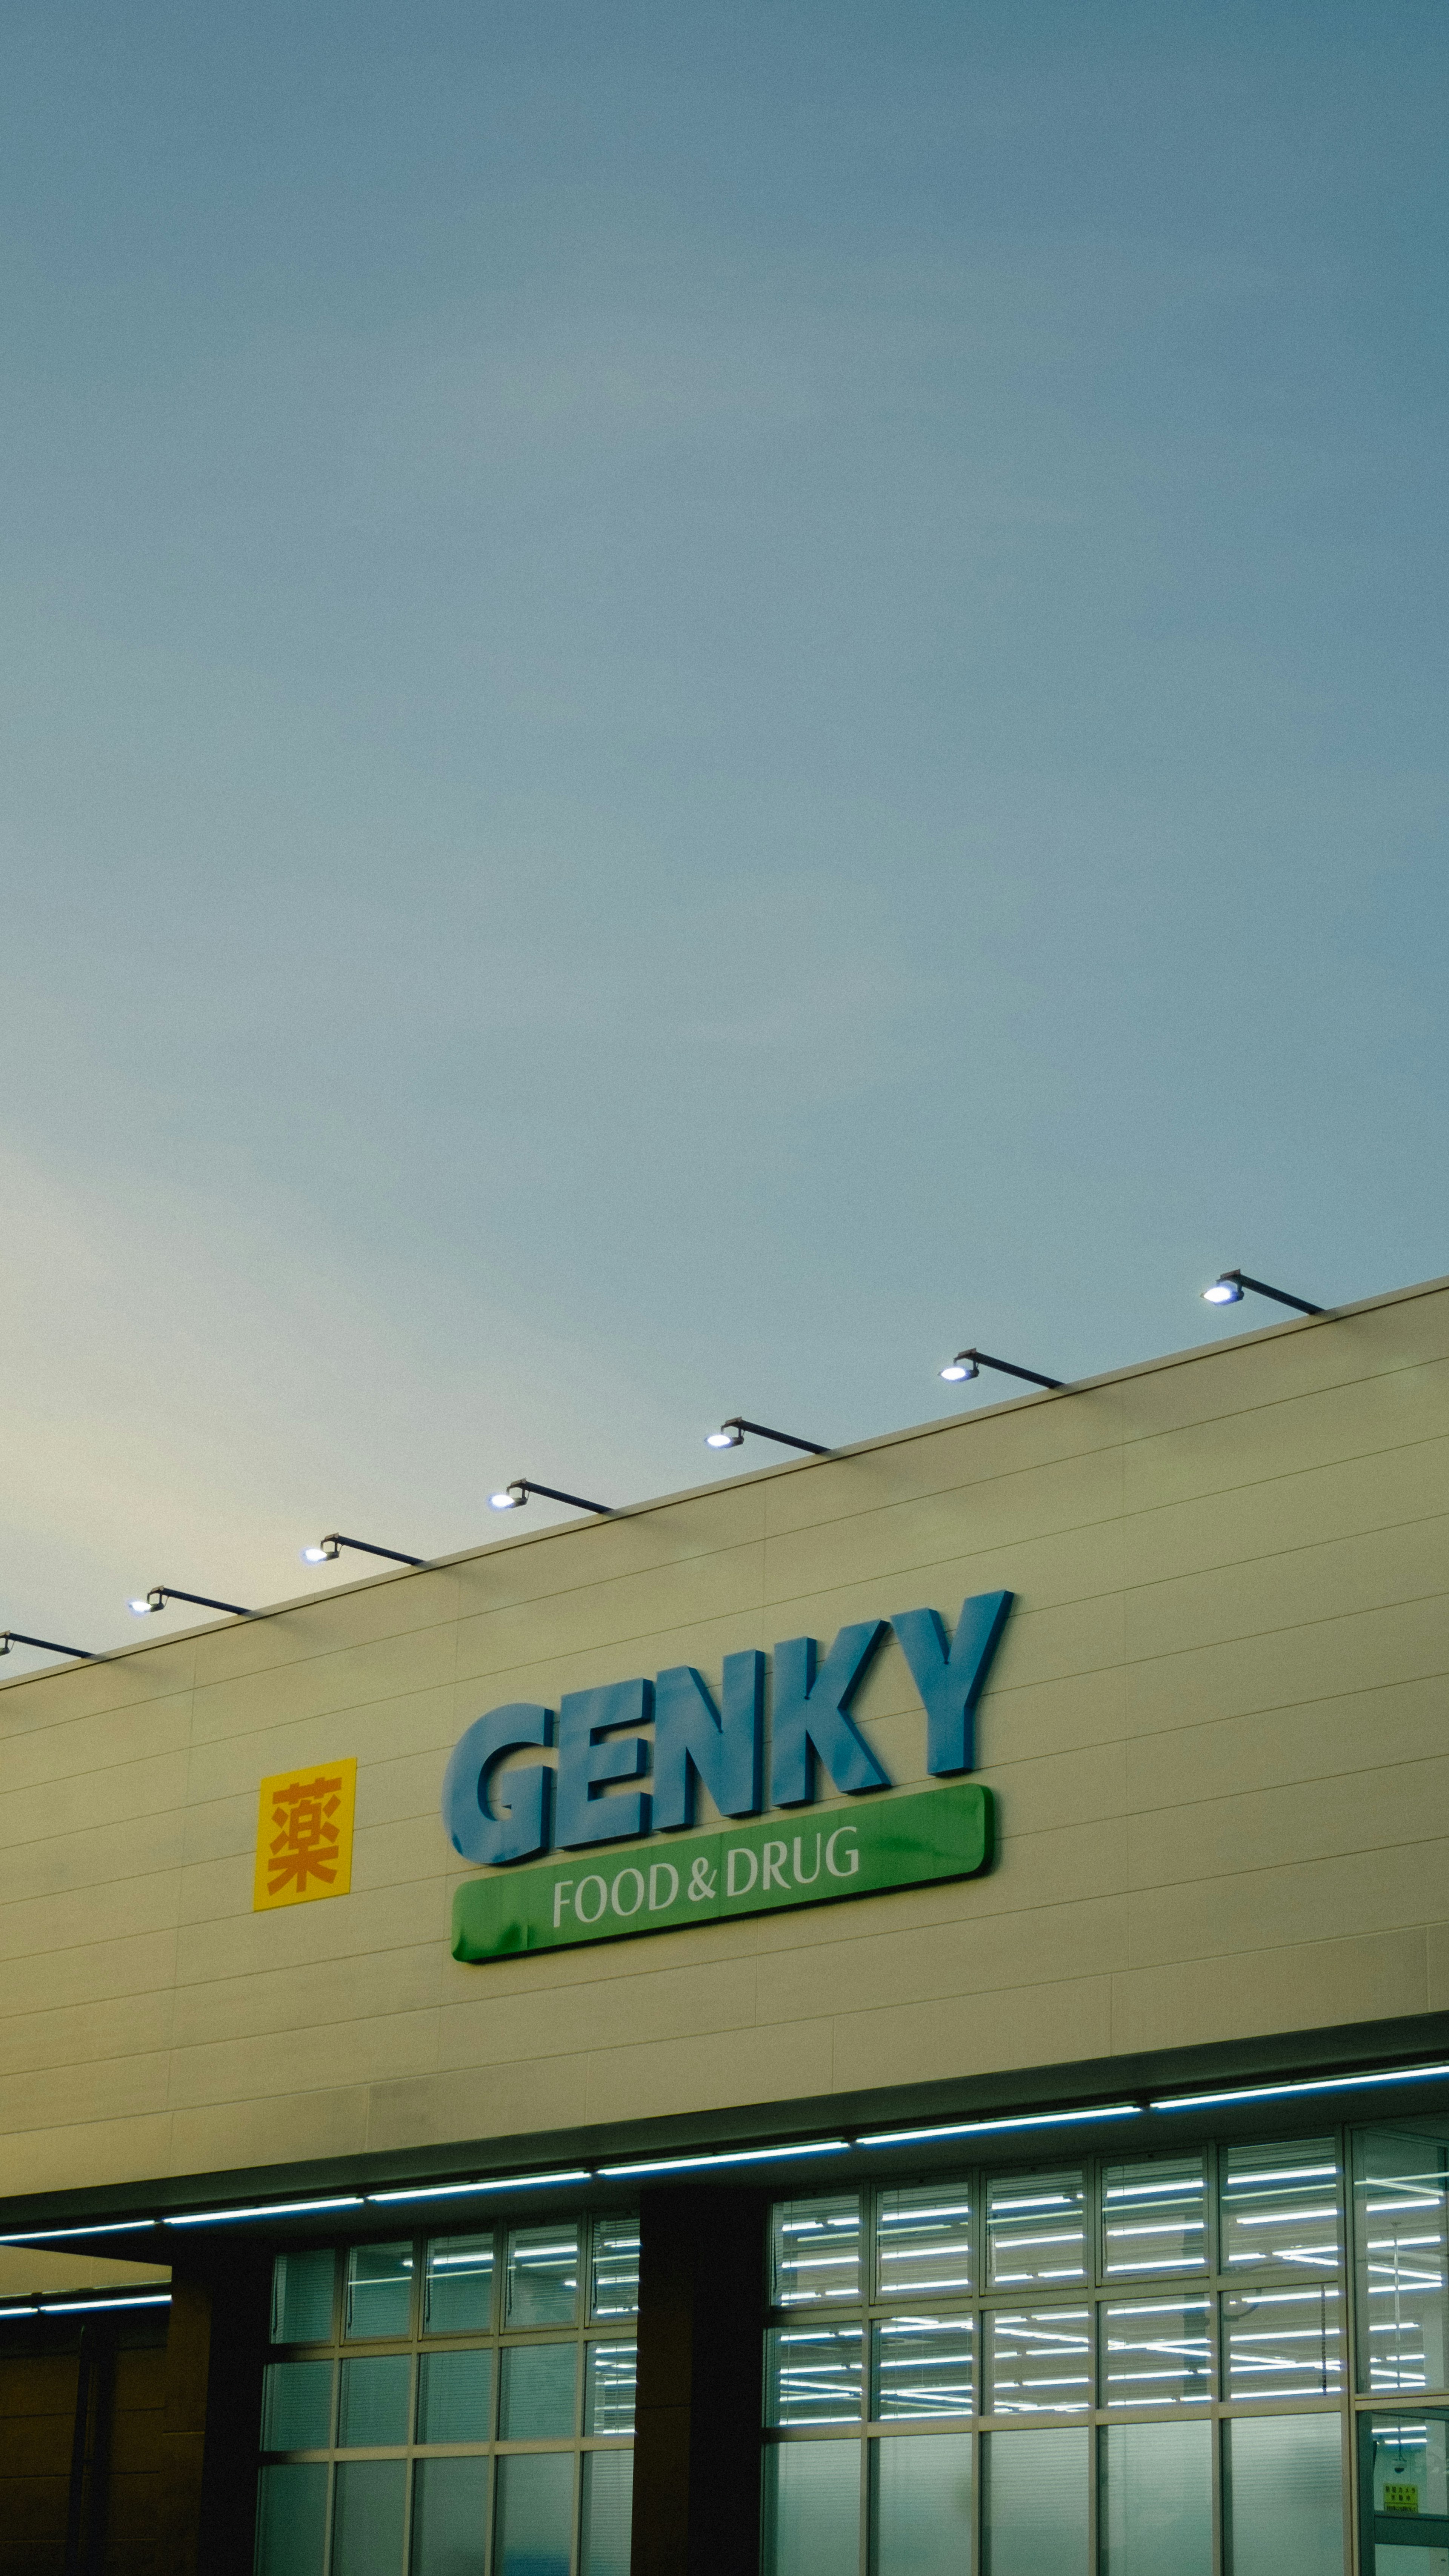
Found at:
(458, 2285)
(1156, 2352)
(608, 2506)
(535, 2514)
(812, 2509)
(921, 2506)
(297, 2406)
(923, 2242)
(1157, 2499)
(1280, 2205)
(450, 2517)
(1401, 2213)
(1036, 2228)
(1408, 2461)
(369, 2505)
(455, 2396)
(1154, 2216)
(609, 2387)
(921, 2366)
(1285, 2494)
(292, 2520)
(379, 2290)
(615, 2279)
(374, 2409)
(1283, 2343)
(302, 2297)
(543, 2275)
(538, 2392)
(1040, 2361)
(813, 2374)
(1036, 2502)
(816, 2250)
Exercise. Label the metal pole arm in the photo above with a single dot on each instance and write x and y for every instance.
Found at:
(16, 1637)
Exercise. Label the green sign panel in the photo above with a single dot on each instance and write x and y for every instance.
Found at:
(813, 1859)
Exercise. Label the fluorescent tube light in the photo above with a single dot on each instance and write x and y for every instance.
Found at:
(736, 2156)
(268, 2209)
(980, 2128)
(75, 2307)
(457, 2190)
(1315, 2084)
(110, 2227)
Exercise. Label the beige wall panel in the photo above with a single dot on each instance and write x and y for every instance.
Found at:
(277, 2129)
(104, 1855)
(964, 1523)
(123, 2026)
(1263, 1522)
(1274, 1747)
(1029, 1721)
(1437, 1944)
(972, 1448)
(487, 2102)
(326, 1994)
(661, 2079)
(42, 1757)
(355, 2051)
(1062, 1789)
(148, 1903)
(1222, 1457)
(1303, 1986)
(674, 2002)
(607, 1622)
(918, 2043)
(539, 1566)
(1321, 1660)
(1374, 1805)
(318, 1690)
(1257, 1596)
(1367, 1891)
(1276, 1364)
(102, 2088)
(291, 1936)
(336, 1619)
(372, 1733)
(34, 2271)
(1068, 1567)
(57, 1980)
(886, 1968)
(70, 1693)
(83, 2154)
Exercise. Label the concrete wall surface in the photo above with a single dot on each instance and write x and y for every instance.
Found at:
(1216, 1728)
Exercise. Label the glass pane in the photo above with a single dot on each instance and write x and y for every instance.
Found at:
(1283, 2343)
(923, 2242)
(615, 2286)
(1036, 2228)
(450, 2517)
(292, 2520)
(813, 2375)
(1040, 2361)
(458, 2292)
(1280, 2205)
(302, 2297)
(1401, 2214)
(1036, 2503)
(1285, 2494)
(816, 2250)
(538, 2392)
(609, 2387)
(374, 2409)
(921, 2366)
(921, 2506)
(297, 2406)
(379, 2290)
(455, 2396)
(608, 2510)
(1408, 2468)
(1156, 2352)
(543, 2276)
(535, 2526)
(1157, 2499)
(1154, 2216)
(367, 2518)
(812, 2509)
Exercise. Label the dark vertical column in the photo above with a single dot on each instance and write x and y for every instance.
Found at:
(85, 2528)
(214, 2354)
(697, 2428)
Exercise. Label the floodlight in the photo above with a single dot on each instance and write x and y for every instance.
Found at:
(330, 1548)
(518, 1492)
(161, 1593)
(1228, 1291)
(971, 1363)
(959, 1368)
(731, 1433)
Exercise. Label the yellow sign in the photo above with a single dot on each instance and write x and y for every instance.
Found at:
(1400, 2496)
(304, 1835)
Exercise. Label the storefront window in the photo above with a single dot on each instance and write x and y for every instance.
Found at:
(1401, 2197)
(1156, 2494)
(493, 2434)
(1404, 2485)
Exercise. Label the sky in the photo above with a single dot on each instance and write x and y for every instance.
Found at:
(694, 702)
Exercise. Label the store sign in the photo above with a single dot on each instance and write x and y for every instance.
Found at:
(304, 1835)
(742, 1869)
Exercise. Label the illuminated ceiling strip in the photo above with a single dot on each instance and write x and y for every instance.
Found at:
(73, 2307)
(112, 2227)
(736, 2156)
(458, 2190)
(1317, 2084)
(268, 2209)
(980, 2128)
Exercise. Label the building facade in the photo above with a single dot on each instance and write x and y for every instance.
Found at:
(890, 2014)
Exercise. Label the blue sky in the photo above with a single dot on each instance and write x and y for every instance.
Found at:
(694, 702)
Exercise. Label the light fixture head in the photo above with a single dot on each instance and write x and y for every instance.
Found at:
(1223, 1292)
(139, 1609)
(509, 1500)
(960, 1367)
(728, 1436)
(326, 1554)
